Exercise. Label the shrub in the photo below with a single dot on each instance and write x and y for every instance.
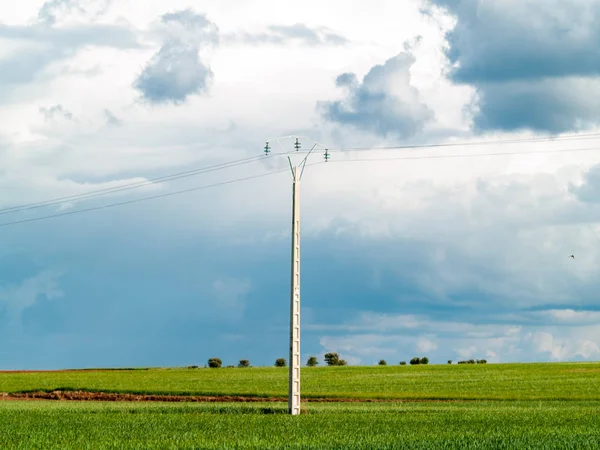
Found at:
(402, 363)
(382, 362)
(449, 361)
(280, 362)
(214, 362)
(424, 360)
(332, 359)
(244, 363)
(312, 361)
(414, 361)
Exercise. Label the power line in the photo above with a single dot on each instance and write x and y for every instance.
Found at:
(234, 163)
(128, 186)
(468, 155)
(467, 143)
(240, 162)
(168, 194)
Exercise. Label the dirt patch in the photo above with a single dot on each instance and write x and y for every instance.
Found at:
(113, 397)
(70, 370)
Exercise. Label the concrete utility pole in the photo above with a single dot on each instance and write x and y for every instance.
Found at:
(294, 377)
(294, 368)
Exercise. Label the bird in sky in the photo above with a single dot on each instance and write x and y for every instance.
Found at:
(572, 256)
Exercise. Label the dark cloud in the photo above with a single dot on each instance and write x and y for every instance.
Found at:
(176, 71)
(529, 61)
(384, 103)
(529, 39)
(283, 34)
(47, 44)
(173, 74)
(553, 105)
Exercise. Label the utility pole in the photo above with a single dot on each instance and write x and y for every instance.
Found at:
(294, 344)
(294, 376)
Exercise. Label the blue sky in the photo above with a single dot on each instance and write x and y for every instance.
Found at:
(450, 258)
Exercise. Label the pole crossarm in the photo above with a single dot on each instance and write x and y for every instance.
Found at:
(297, 146)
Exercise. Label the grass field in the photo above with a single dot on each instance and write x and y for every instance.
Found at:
(497, 425)
(577, 381)
(541, 406)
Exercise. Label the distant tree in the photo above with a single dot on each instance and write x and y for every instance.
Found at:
(382, 362)
(312, 361)
(342, 362)
(244, 363)
(280, 362)
(192, 367)
(402, 363)
(424, 360)
(230, 367)
(449, 361)
(214, 362)
(481, 361)
(415, 360)
(332, 359)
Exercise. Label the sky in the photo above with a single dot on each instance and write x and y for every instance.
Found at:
(452, 252)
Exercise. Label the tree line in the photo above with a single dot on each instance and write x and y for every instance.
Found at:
(333, 359)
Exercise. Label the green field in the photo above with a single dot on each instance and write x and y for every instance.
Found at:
(497, 425)
(577, 381)
(509, 406)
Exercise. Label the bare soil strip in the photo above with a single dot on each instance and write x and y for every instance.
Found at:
(112, 397)
(69, 370)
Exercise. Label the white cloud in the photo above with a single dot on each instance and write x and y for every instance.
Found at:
(464, 340)
(426, 345)
(14, 299)
(588, 350)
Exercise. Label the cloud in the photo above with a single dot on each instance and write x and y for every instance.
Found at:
(384, 103)
(531, 61)
(470, 254)
(548, 104)
(53, 11)
(42, 45)
(588, 190)
(544, 342)
(56, 111)
(426, 345)
(176, 71)
(173, 74)
(111, 119)
(14, 299)
(497, 342)
(588, 350)
(285, 34)
(571, 317)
